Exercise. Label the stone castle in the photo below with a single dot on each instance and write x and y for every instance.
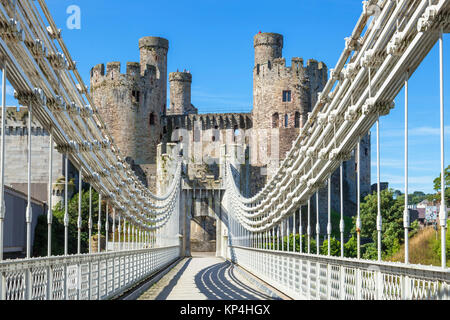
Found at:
(150, 134)
(133, 105)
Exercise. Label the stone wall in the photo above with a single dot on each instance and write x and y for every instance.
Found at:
(16, 157)
(282, 98)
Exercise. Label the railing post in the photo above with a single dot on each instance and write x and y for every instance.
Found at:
(90, 219)
(50, 190)
(49, 283)
(66, 204)
(2, 171)
(358, 276)
(28, 284)
(407, 287)
(29, 210)
(317, 280)
(317, 224)
(341, 282)
(79, 221)
(379, 284)
(65, 295)
(328, 281)
(98, 278)
(308, 228)
(106, 225)
(379, 217)
(358, 199)
(329, 216)
(114, 229)
(2, 286)
(90, 280)
(99, 222)
(443, 210)
(341, 222)
(406, 217)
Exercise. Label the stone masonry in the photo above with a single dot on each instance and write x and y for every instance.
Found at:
(133, 106)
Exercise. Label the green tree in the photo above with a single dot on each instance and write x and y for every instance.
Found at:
(350, 248)
(438, 187)
(392, 226)
(335, 247)
(40, 241)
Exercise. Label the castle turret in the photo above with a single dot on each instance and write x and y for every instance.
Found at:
(153, 51)
(180, 93)
(268, 46)
(130, 105)
(282, 98)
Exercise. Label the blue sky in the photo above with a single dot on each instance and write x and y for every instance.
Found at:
(214, 40)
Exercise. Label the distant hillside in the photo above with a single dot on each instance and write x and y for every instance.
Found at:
(424, 248)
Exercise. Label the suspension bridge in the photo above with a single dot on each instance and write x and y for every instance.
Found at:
(388, 43)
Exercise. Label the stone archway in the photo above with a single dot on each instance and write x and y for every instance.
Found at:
(205, 217)
(203, 234)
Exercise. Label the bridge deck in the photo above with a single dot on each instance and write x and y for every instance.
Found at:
(206, 277)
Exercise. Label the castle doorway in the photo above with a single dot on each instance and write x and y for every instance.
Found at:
(203, 234)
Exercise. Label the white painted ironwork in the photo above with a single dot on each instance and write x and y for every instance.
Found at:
(344, 278)
(45, 79)
(361, 88)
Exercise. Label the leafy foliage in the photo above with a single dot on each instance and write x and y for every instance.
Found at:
(41, 235)
(335, 247)
(438, 187)
(392, 224)
(436, 245)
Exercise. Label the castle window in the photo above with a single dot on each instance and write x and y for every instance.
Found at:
(286, 120)
(287, 96)
(297, 119)
(236, 133)
(275, 120)
(152, 119)
(135, 95)
(366, 151)
(213, 138)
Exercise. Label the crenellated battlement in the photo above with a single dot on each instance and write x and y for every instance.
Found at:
(153, 42)
(16, 123)
(132, 77)
(210, 120)
(279, 68)
(180, 76)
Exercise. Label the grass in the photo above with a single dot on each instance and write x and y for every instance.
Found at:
(422, 249)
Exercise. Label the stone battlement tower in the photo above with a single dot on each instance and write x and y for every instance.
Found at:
(153, 51)
(180, 94)
(133, 103)
(282, 98)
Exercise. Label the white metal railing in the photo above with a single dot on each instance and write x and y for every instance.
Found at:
(388, 44)
(36, 62)
(81, 277)
(309, 276)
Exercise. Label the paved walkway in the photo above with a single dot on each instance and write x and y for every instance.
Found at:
(205, 277)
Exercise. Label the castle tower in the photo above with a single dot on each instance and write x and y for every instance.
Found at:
(282, 98)
(180, 93)
(130, 105)
(153, 51)
(268, 46)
